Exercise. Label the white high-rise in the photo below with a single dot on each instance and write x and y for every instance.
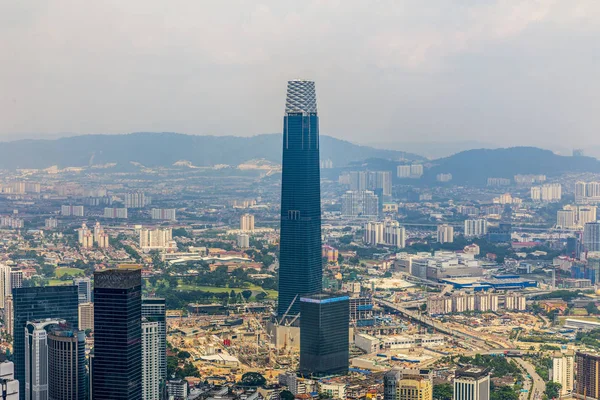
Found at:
(163, 214)
(7, 373)
(445, 234)
(36, 359)
(388, 232)
(84, 289)
(157, 239)
(475, 227)
(5, 283)
(360, 204)
(565, 219)
(247, 222)
(150, 361)
(563, 371)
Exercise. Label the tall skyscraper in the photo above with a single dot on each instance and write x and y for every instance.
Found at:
(563, 370)
(36, 358)
(247, 222)
(587, 384)
(150, 360)
(472, 383)
(300, 264)
(591, 236)
(154, 310)
(324, 338)
(66, 364)
(117, 365)
(445, 234)
(360, 204)
(86, 316)
(35, 303)
(475, 227)
(5, 284)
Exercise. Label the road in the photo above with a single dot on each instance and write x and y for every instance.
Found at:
(538, 383)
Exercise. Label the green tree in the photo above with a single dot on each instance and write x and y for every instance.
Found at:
(286, 395)
(443, 391)
(183, 355)
(253, 379)
(247, 294)
(553, 389)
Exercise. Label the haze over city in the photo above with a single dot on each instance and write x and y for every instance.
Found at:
(499, 73)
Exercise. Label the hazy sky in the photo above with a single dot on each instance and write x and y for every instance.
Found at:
(505, 72)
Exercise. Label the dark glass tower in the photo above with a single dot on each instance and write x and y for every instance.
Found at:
(35, 303)
(324, 341)
(300, 264)
(117, 365)
(67, 378)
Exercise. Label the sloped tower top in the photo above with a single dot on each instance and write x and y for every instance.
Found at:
(301, 97)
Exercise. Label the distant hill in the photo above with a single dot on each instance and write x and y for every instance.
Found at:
(165, 149)
(475, 166)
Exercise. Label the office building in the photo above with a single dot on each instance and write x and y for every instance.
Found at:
(445, 234)
(71, 211)
(387, 233)
(136, 200)
(243, 241)
(247, 222)
(300, 264)
(587, 384)
(36, 358)
(324, 337)
(115, 212)
(117, 366)
(154, 310)
(360, 204)
(84, 289)
(67, 376)
(163, 214)
(591, 236)
(7, 375)
(408, 384)
(86, 316)
(472, 383)
(475, 227)
(565, 219)
(150, 360)
(563, 371)
(157, 239)
(37, 303)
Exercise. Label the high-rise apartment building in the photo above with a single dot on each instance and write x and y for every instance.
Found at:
(300, 264)
(243, 241)
(86, 316)
(115, 213)
(117, 365)
(71, 211)
(591, 236)
(587, 192)
(472, 383)
(163, 214)
(360, 204)
(408, 384)
(37, 303)
(157, 239)
(371, 180)
(563, 371)
(587, 384)
(7, 374)
(177, 389)
(136, 200)
(67, 377)
(475, 227)
(547, 193)
(445, 234)
(586, 214)
(150, 361)
(324, 338)
(565, 219)
(154, 310)
(9, 314)
(387, 233)
(50, 223)
(247, 222)
(16, 279)
(84, 289)
(5, 283)
(36, 358)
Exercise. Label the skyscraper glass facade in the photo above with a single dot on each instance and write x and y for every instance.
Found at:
(35, 303)
(300, 264)
(324, 340)
(117, 364)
